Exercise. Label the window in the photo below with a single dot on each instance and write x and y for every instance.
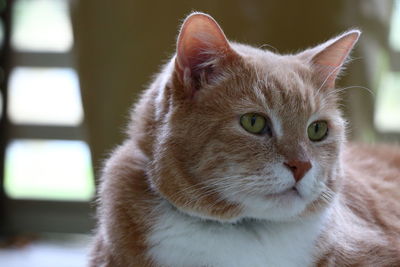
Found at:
(48, 174)
(46, 96)
(48, 169)
(387, 108)
(387, 112)
(41, 25)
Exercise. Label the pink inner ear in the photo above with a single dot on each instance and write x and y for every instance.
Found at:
(330, 60)
(197, 51)
(201, 43)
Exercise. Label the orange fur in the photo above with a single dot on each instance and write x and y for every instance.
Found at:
(370, 197)
(185, 144)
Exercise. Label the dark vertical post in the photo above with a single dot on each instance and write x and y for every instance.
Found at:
(5, 16)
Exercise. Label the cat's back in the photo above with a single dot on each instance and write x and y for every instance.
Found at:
(373, 156)
(372, 185)
(373, 172)
(366, 228)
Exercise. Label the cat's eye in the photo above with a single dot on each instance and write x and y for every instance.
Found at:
(317, 130)
(253, 123)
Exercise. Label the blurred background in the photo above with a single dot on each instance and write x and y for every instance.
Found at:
(70, 70)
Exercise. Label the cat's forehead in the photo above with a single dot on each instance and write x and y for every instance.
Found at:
(280, 82)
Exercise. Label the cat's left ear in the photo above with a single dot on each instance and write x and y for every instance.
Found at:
(328, 58)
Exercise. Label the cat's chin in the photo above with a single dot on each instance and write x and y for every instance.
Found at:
(280, 207)
(292, 192)
(284, 206)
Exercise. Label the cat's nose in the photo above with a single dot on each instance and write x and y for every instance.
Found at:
(298, 168)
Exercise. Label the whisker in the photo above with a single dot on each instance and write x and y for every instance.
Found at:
(270, 46)
(339, 90)
(327, 78)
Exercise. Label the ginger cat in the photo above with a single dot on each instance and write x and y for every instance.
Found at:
(236, 157)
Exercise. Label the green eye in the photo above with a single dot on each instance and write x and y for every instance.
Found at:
(253, 123)
(317, 130)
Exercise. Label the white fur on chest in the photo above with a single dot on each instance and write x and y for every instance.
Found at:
(178, 240)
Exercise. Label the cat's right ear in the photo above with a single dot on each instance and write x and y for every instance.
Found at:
(328, 58)
(201, 50)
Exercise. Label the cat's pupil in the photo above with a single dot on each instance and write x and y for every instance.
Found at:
(316, 128)
(253, 120)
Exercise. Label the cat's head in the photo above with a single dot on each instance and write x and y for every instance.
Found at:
(246, 133)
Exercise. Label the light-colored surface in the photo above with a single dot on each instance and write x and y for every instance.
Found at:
(394, 37)
(44, 96)
(71, 253)
(388, 103)
(41, 25)
(49, 169)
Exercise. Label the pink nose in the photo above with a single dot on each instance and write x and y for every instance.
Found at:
(298, 168)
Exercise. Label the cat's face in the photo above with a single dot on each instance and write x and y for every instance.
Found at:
(248, 133)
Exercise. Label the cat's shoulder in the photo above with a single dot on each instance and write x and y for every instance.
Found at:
(372, 171)
(385, 151)
(379, 158)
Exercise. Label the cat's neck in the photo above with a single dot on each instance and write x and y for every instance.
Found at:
(281, 243)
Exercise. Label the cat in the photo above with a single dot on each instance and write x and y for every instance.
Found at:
(237, 157)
